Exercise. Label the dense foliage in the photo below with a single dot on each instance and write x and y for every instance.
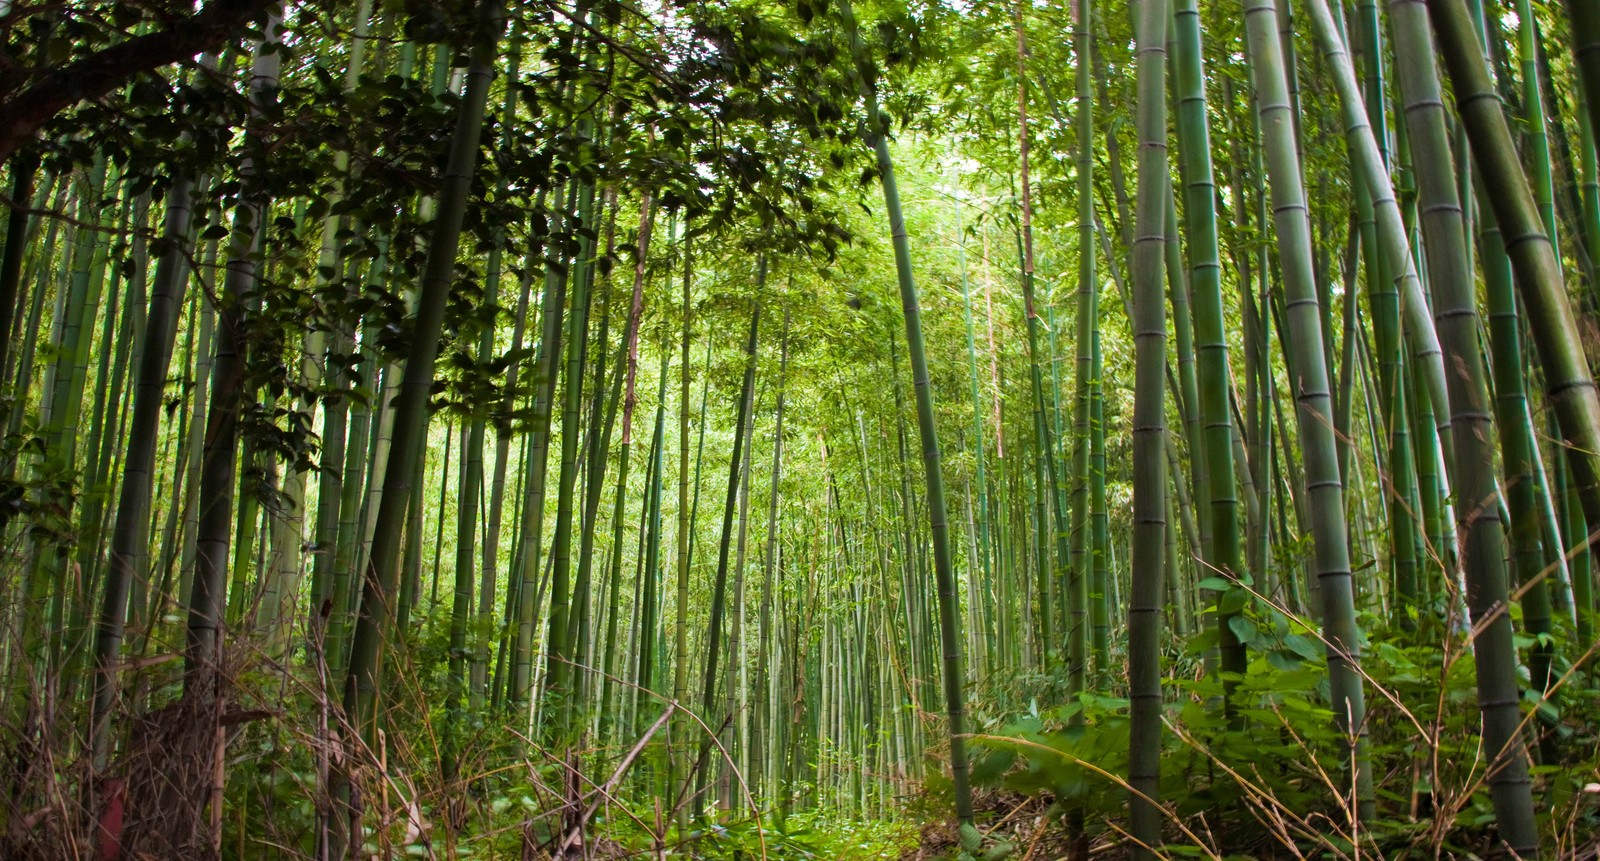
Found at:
(732, 430)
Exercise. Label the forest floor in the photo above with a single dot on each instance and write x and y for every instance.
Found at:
(1027, 824)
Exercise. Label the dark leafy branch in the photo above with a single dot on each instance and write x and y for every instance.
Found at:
(90, 77)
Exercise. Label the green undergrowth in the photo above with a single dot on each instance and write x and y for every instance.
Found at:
(503, 818)
(1265, 775)
(496, 810)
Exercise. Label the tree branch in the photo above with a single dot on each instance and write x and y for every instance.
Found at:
(92, 76)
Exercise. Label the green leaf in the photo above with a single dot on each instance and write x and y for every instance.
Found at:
(971, 840)
(991, 766)
(1244, 629)
(1232, 601)
(1303, 646)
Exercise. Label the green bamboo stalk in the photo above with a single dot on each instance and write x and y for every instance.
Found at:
(386, 373)
(1074, 591)
(1183, 386)
(208, 596)
(680, 679)
(198, 423)
(501, 676)
(553, 304)
(557, 654)
(1344, 405)
(120, 322)
(619, 709)
(1582, 560)
(256, 474)
(129, 538)
(758, 776)
(383, 569)
(733, 699)
(1404, 304)
(49, 580)
(1200, 231)
(1570, 388)
(649, 625)
(980, 478)
(1099, 511)
(490, 557)
(469, 487)
(1585, 20)
(594, 460)
(340, 599)
(24, 169)
(630, 340)
(719, 589)
(1177, 589)
(1589, 203)
(411, 555)
(1308, 372)
(1395, 263)
(491, 560)
(1255, 420)
(21, 376)
(1534, 122)
(1087, 321)
(1433, 557)
(1149, 434)
(1450, 277)
(949, 613)
(336, 408)
(148, 600)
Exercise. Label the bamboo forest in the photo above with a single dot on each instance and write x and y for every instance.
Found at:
(799, 429)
